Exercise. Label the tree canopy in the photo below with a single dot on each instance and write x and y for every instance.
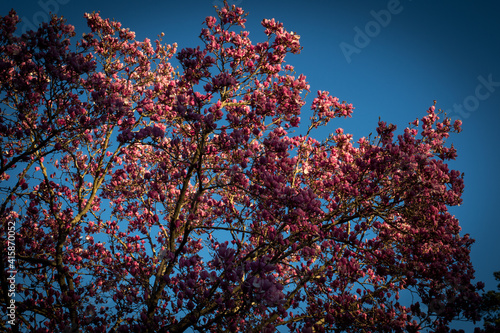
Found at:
(490, 308)
(153, 199)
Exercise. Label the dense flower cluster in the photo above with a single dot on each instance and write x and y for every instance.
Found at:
(154, 201)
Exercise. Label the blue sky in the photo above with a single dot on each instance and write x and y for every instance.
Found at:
(390, 59)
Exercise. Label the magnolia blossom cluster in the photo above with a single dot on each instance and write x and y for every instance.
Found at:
(151, 200)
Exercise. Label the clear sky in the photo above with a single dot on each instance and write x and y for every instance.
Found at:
(389, 58)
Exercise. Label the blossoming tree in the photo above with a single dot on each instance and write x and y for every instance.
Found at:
(146, 199)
